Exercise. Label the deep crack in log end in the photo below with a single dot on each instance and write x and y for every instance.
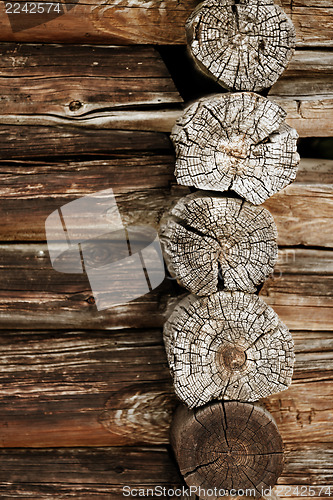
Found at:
(242, 45)
(237, 142)
(228, 446)
(228, 346)
(213, 242)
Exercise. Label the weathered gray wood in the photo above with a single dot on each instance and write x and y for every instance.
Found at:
(235, 141)
(231, 445)
(117, 93)
(305, 113)
(243, 45)
(309, 73)
(212, 243)
(229, 345)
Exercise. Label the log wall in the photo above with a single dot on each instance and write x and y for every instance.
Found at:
(85, 396)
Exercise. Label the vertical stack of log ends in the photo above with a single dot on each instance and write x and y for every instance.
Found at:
(226, 348)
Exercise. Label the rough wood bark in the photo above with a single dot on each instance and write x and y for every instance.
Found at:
(211, 243)
(122, 22)
(227, 446)
(243, 45)
(229, 345)
(238, 142)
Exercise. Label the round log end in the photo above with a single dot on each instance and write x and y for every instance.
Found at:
(227, 447)
(244, 45)
(212, 243)
(228, 346)
(236, 142)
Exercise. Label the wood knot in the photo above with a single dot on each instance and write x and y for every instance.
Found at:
(231, 358)
(75, 105)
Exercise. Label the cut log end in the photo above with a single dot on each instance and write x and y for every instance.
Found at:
(236, 142)
(229, 346)
(230, 446)
(244, 45)
(212, 243)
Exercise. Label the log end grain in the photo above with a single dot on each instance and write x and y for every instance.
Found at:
(212, 243)
(229, 346)
(228, 446)
(237, 142)
(243, 45)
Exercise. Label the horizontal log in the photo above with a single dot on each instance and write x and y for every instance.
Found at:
(126, 89)
(311, 116)
(102, 388)
(303, 214)
(125, 22)
(101, 473)
(74, 81)
(139, 167)
(308, 73)
(26, 142)
(84, 473)
(34, 295)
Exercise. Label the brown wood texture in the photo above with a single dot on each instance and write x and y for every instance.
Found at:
(146, 22)
(89, 474)
(95, 473)
(125, 88)
(227, 445)
(139, 167)
(34, 295)
(102, 388)
(75, 80)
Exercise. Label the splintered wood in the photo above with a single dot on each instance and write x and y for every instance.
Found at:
(212, 242)
(229, 446)
(236, 142)
(230, 345)
(244, 45)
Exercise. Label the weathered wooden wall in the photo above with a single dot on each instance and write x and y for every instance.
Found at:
(86, 396)
(147, 22)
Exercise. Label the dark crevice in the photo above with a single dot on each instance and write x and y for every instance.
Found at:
(220, 280)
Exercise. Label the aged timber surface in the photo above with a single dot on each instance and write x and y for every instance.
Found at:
(128, 89)
(104, 388)
(31, 189)
(53, 473)
(146, 22)
(45, 79)
(34, 295)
